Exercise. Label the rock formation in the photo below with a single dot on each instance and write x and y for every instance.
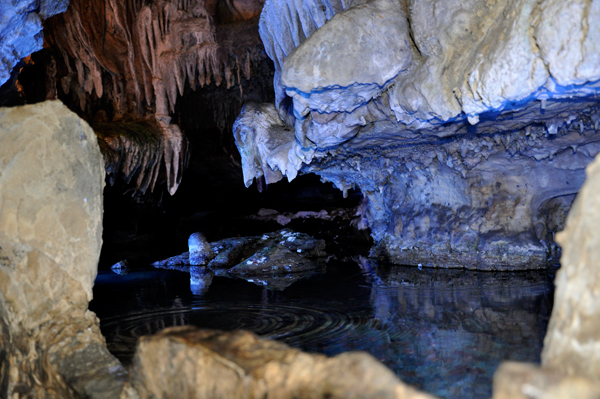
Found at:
(130, 61)
(50, 237)
(274, 260)
(572, 344)
(51, 181)
(524, 381)
(21, 30)
(217, 364)
(469, 136)
(571, 354)
(200, 251)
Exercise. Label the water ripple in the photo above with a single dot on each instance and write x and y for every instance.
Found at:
(307, 327)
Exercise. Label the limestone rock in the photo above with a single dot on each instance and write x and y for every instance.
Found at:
(189, 362)
(230, 250)
(280, 37)
(572, 344)
(350, 60)
(274, 260)
(461, 165)
(524, 381)
(51, 181)
(138, 151)
(267, 146)
(200, 251)
(491, 201)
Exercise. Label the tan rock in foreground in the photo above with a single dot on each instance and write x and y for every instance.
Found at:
(192, 363)
(572, 344)
(51, 181)
(515, 380)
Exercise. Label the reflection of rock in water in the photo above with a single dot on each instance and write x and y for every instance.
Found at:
(200, 279)
(460, 318)
(274, 282)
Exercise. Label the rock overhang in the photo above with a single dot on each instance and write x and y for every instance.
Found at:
(491, 87)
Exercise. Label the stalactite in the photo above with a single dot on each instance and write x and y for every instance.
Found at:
(135, 151)
(140, 56)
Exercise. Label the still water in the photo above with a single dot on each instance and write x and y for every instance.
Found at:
(442, 331)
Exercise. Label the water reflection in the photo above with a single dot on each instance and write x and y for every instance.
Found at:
(442, 331)
(200, 279)
(464, 323)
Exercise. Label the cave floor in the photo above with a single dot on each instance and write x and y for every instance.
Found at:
(443, 331)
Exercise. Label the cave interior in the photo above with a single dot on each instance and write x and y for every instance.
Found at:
(386, 176)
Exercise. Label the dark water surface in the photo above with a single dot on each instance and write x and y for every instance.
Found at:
(443, 331)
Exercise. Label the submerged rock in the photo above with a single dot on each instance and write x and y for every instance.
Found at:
(200, 251)
(230, 250)
(190, 362)
(51, 184)
(278, 282)
(177, 260)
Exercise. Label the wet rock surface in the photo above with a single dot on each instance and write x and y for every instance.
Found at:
(276, 253)
(217, 364)
(279, 258)
(51, 185)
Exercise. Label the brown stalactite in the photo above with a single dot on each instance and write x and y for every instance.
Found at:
(136, 151)
(139, 56)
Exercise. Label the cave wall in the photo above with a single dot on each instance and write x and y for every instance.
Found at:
(468, 132)
(21, 30)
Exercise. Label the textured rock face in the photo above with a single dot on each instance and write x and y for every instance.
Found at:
(51, 185)
(350, 60)
(491, 201)
(215, 364)
(572, 344)
(460, 164)
(21, 29)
